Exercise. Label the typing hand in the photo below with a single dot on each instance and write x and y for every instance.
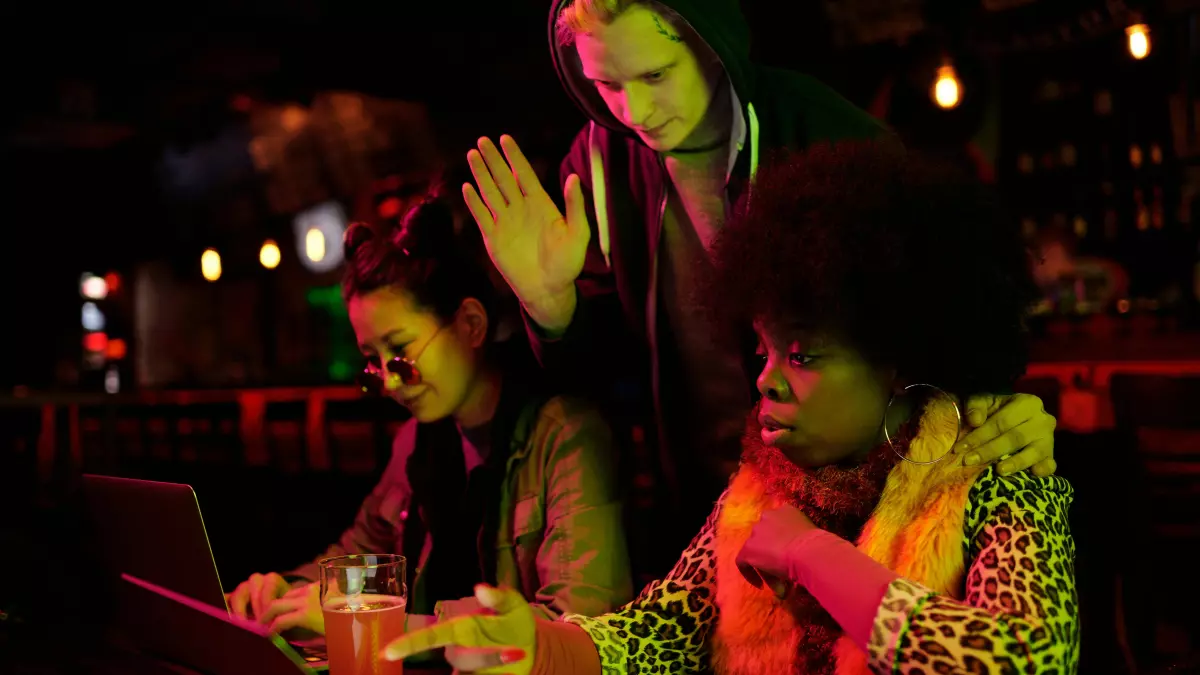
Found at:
(298, 608)
(250, 599)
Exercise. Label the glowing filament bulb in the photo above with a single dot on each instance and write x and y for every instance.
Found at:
(268, 255)
(1139, 40)
(946, 90)
(210, 264)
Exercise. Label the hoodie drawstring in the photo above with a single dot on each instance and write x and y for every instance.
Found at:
(599, 192)
(599, 195)
(753, 140)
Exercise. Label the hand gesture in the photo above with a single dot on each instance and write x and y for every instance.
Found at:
(539, 252)
(499, 639)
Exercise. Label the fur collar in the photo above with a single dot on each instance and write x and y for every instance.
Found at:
(915, 529)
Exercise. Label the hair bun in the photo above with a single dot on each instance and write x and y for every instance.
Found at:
(427, 231)
(356, 235)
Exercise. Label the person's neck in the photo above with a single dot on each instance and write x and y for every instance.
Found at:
(480, 405)
(710, 140)
(897, 414)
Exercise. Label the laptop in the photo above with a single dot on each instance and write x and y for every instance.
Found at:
(153, 532)
(172, 626)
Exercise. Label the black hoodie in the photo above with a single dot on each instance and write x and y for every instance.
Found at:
(618, 290)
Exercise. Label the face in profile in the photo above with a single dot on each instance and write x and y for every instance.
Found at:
(822, 402)
(388, 323)
(650, 78)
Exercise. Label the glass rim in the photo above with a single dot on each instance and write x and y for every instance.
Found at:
(329, 563)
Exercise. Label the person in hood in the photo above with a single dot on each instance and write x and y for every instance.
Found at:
(850, 540)
(680, 118)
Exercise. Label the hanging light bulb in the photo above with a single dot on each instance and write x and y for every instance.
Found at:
(268, 255)
(1139, 40)
(947, 91)
(210, 264)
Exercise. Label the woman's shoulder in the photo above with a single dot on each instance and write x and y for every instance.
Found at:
(1021, 495)
(563, 411)
(573, 417)
(1022, 490)
(567, 425)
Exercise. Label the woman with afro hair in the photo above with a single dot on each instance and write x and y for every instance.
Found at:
(853, 538)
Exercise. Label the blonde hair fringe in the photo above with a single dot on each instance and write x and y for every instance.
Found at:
(580, 17)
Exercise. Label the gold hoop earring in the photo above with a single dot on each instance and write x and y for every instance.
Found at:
(888, 436)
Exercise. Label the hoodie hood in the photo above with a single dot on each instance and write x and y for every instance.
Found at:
(719, 23)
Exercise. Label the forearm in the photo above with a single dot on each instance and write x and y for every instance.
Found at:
(962, 637)
(558, 346)
(866, 598)
(848, 583)
(592, 346)
(551, 316)
(1018, 607)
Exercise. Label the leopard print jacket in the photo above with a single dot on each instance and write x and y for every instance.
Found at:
(1019, 612)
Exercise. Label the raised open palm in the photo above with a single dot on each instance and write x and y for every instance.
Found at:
(539, 252)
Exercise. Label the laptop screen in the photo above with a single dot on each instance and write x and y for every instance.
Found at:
(154, 532)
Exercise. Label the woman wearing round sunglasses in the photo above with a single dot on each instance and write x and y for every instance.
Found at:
(494, 479)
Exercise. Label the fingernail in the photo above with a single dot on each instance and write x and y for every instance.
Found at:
(487, 596)
(971, 459)
(390, 654)
(961, 447)
(1004, 469)
(512, 655)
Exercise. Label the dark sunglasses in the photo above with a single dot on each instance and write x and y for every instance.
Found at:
(371, 380)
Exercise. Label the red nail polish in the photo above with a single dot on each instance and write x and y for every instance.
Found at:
(512, 655)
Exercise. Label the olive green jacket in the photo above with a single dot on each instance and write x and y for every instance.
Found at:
(560, 539)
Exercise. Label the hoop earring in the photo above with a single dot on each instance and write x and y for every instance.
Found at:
(888, 436)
